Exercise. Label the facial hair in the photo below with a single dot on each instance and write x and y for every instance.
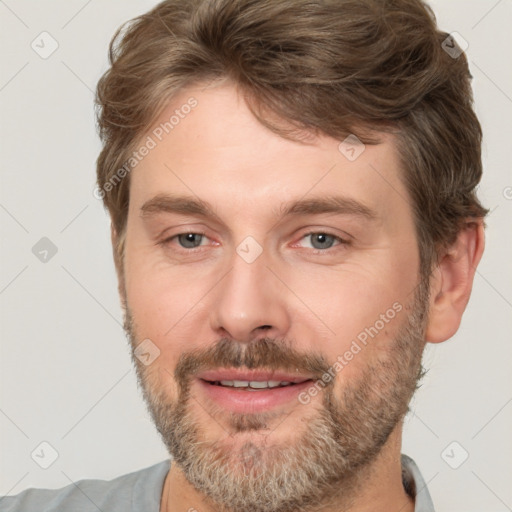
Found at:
(325, 463)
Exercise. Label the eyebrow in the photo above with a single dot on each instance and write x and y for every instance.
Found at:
(331, 204)
(337, 205)
(165, 203)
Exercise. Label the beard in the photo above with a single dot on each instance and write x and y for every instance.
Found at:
(327, 461)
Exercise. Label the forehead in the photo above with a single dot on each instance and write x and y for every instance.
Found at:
(206, 144)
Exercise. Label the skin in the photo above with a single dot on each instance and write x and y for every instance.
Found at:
(320, 299)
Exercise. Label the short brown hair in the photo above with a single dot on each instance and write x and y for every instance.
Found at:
(332, 67)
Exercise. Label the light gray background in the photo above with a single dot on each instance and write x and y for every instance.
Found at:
(66, 375)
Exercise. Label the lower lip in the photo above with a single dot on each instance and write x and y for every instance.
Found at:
(246, 401)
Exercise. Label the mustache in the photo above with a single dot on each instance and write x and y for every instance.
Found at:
(265, 354)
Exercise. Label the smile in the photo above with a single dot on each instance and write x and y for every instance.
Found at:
(252, 385)
(252, 391)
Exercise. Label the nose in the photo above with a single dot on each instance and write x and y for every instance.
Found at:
(250, 303)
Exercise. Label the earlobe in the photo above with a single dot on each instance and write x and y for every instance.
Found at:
(452, 281)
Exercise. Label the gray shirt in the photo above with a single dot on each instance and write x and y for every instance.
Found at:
(141, 492)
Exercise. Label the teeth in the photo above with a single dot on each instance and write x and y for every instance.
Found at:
(254, 384)
(258, 385)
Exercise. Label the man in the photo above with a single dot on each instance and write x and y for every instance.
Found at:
(292, 192)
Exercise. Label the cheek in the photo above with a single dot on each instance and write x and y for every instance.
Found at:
(161, 314)
(163, 305)
(350, 300)
(159, 294)
(169, 307)
(363, 309)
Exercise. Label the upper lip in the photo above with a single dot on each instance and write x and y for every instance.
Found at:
(252, 375)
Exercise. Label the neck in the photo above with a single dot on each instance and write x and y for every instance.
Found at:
(380, 487)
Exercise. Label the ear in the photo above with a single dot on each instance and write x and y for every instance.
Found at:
(118, 262)
(452, 281)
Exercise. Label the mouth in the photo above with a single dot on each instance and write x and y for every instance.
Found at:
(252, 391)
(253, 385)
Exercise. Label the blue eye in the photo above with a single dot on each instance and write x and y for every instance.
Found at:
(322, 240)
(190, 240)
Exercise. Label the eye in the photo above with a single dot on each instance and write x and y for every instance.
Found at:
(190, 240)
(187, 240)
(323, 241)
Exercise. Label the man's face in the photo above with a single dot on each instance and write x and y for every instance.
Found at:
(306, 267)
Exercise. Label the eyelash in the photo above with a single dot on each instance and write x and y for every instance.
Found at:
(342, 241)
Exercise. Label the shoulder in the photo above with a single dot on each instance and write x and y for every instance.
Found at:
(128, 492)
(415, 485)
